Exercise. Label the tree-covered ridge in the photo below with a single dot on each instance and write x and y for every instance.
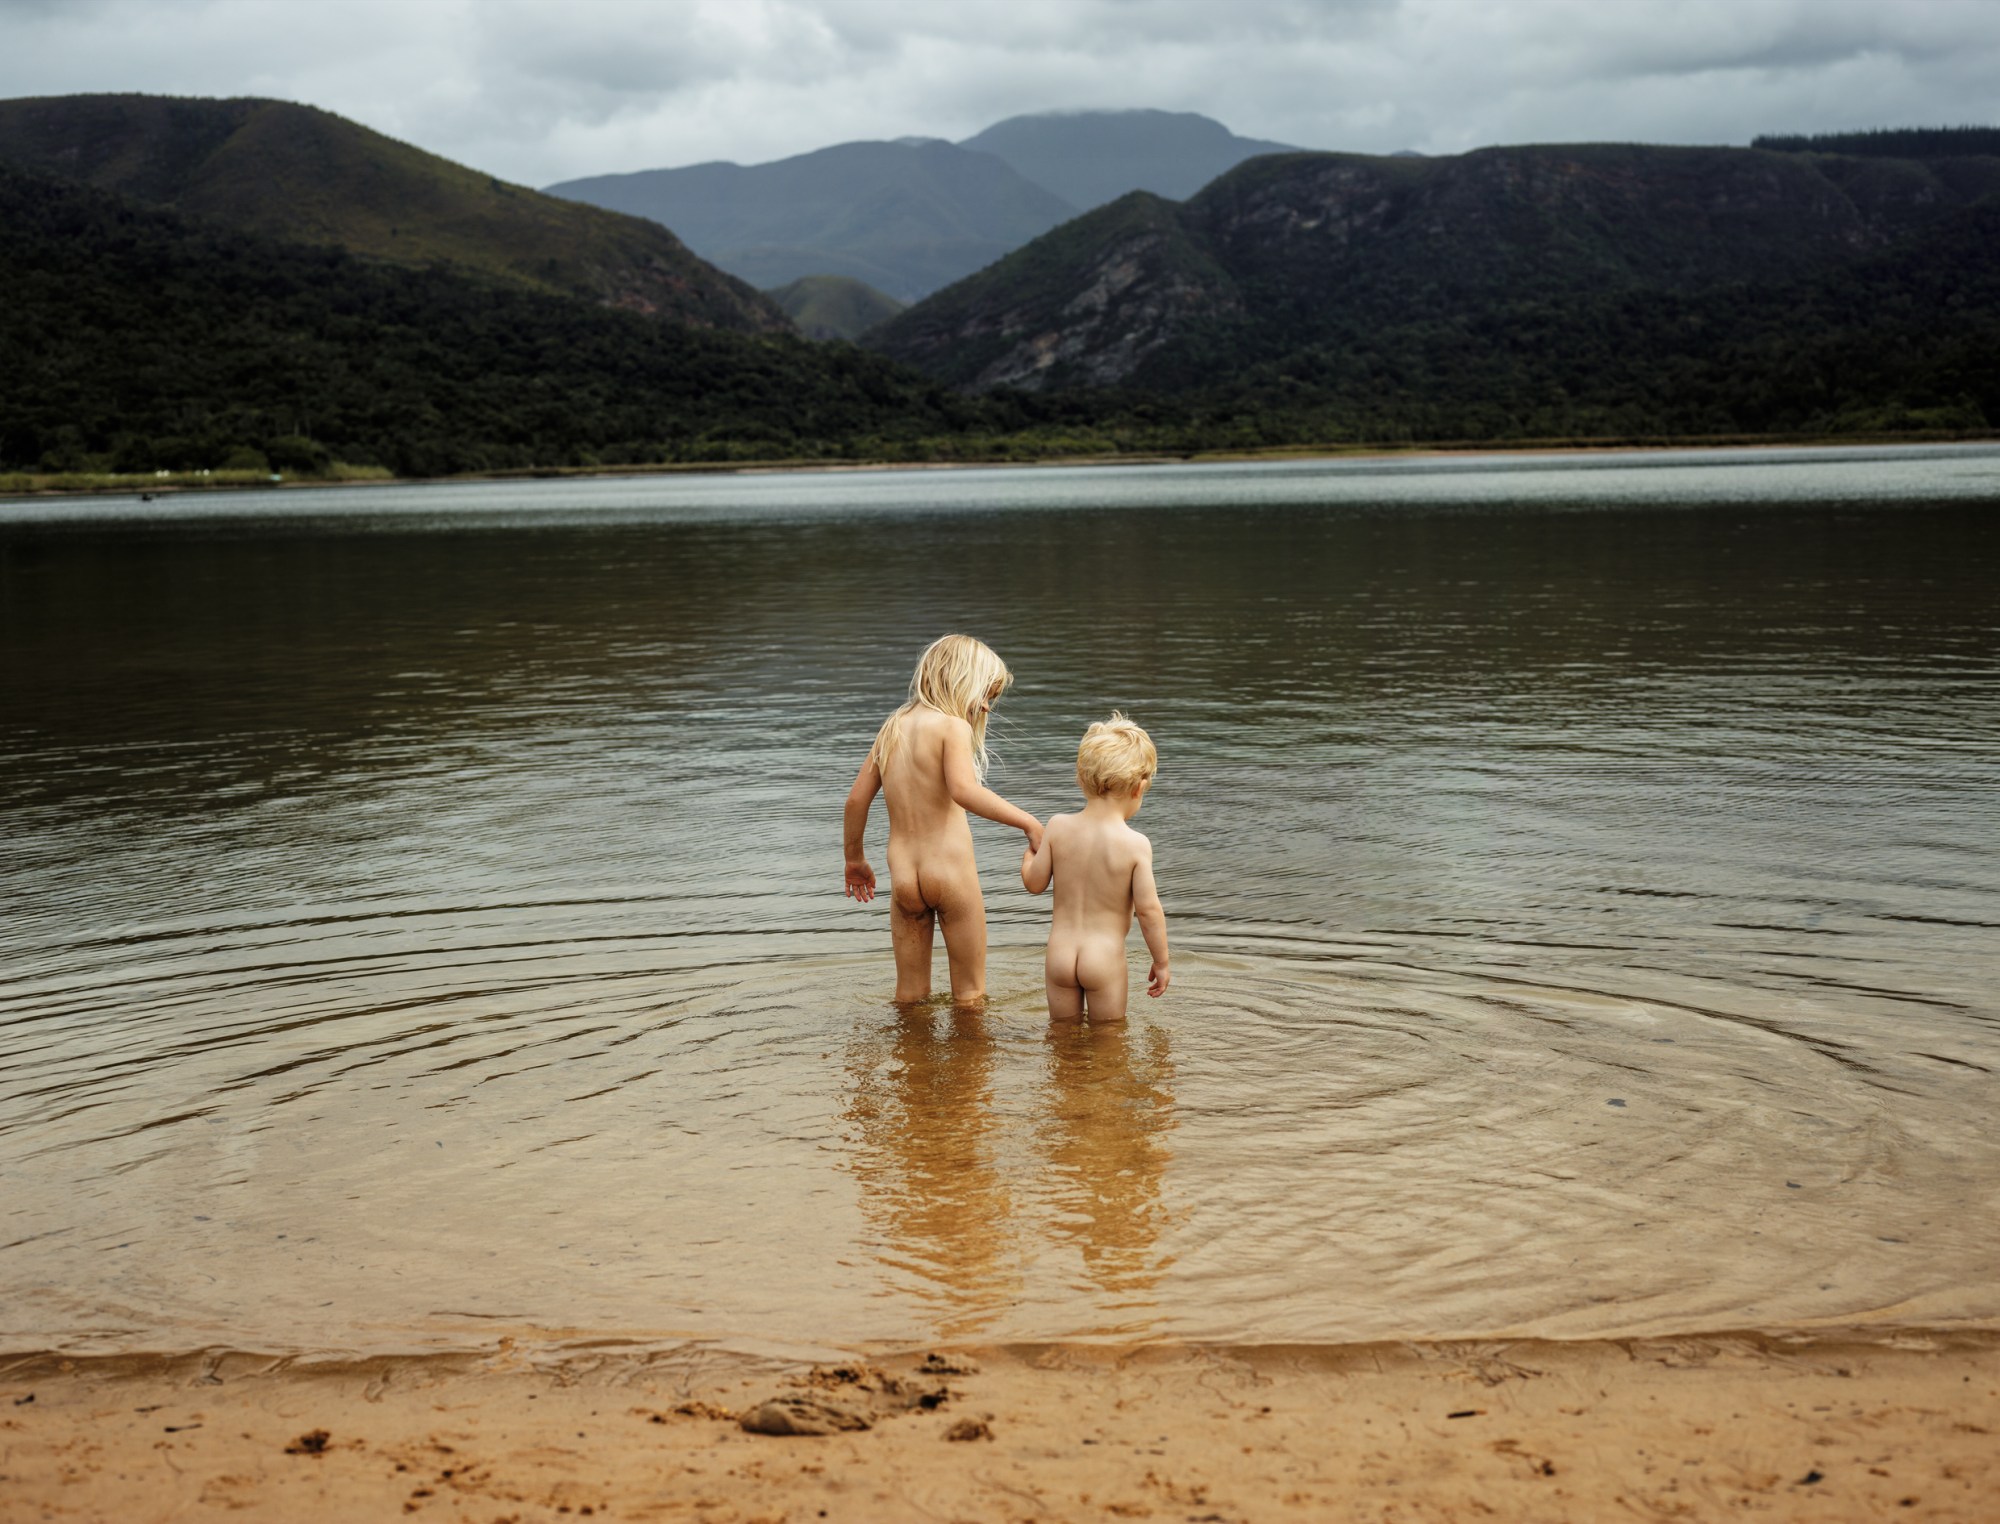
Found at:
(1904, 340)
(1295, 252)
(139, 339)
(298, 173)
(1890, 142)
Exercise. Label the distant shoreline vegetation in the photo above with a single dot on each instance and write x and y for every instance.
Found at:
(953, 453)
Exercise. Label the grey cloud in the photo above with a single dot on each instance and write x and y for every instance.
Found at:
(621, 46)
(537, 92)
(1581, 42)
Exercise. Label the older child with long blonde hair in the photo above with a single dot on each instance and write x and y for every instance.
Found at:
(929, 760)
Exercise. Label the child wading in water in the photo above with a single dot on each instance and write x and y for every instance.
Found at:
(1103, 872)
(929, 758)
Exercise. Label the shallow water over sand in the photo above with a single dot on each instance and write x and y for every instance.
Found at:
(422, 915)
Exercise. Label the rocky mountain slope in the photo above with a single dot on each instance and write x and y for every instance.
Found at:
(305, 175)
(1300, 252)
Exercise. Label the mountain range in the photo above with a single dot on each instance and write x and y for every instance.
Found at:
(191, 283)
(1336, 253)
(912, 216)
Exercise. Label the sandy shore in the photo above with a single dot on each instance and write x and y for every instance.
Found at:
(1827, 1427)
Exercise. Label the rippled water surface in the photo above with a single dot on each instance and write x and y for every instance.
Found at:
(420, 913)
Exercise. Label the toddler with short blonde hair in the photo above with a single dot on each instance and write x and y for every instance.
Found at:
(1116, 757)
(1102, 870)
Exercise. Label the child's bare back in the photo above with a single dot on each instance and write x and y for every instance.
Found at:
(1103, 875)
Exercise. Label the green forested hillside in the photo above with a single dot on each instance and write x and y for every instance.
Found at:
(1904, 340)
(834, 306)
(138, 339)
(305, 175)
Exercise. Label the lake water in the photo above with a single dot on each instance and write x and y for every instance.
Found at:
(420, 912)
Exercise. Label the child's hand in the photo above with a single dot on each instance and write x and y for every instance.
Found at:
(1034, 834)
(860, 880)
(1157, 980)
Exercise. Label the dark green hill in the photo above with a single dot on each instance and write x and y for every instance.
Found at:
(1312, 252)
(834, 306)
(298, 173)
(1093, 157)
(1906, 339)
(904, 217)
(135, 338)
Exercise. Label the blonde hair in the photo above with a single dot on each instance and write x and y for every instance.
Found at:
(1116, 757)
(954, 676)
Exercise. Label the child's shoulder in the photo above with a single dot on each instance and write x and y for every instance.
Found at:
(934, 724)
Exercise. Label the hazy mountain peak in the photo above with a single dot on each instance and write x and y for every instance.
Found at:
(905, 217)
(1092, 157)
(916, 213)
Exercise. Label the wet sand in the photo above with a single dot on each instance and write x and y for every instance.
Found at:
(1827, 1426)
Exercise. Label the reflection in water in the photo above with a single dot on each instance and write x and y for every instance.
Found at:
(1109, 1109)
(984, 1188)
(928, 1161)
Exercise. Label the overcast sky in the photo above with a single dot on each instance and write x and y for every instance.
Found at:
(543, 90)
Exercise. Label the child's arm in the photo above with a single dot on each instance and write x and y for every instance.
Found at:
(854, 825)
(961, 781)
(1038, 864)
(1152, 917)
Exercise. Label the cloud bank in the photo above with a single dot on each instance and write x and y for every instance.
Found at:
(537, 92)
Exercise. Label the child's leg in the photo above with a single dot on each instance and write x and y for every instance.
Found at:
(961, 910)
(911, 927)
